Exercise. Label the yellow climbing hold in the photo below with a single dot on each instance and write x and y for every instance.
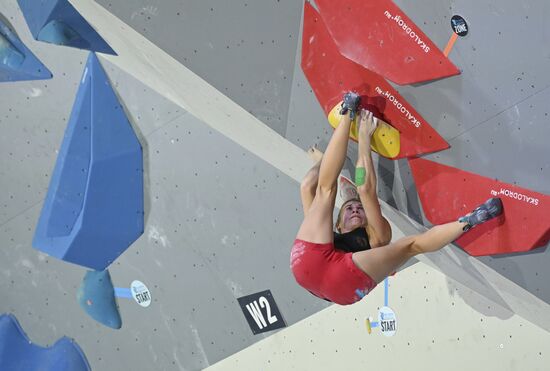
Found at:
(385, 140)
(367, 322)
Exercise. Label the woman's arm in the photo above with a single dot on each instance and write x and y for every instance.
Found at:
(378, 228)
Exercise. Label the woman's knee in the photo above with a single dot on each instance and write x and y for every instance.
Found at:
(309, 183)
(409, 244)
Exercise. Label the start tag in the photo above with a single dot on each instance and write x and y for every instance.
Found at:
(387, 321)
(140, 293)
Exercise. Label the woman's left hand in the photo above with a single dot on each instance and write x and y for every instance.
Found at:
(367, 123)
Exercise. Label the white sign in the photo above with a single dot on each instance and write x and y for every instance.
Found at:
(140, 293)
(387, 321)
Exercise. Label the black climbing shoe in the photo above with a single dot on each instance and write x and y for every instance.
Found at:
(486, 211)
(350, 103)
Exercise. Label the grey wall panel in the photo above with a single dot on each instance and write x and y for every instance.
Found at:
(146, 110)
(220, 224)
(528, 270)
(396, 186)
(38, 289)
(511, 147)
(32, 120)
(307, 123)
(501, 59)
(245, 49)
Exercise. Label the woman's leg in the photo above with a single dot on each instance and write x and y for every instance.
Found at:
(317, 226)
(380, 262)
(310, 181)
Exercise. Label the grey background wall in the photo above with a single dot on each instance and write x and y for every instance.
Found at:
(219, 220)
(244, 48)
(216, 228)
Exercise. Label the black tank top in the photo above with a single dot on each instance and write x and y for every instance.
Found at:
(354, 241)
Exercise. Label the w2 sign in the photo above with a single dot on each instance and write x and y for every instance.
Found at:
(261, 312)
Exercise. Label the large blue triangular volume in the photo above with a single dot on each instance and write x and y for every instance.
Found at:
(96, 296)
(58, 22)
(17, 62)
(17, 352)
(94, 207)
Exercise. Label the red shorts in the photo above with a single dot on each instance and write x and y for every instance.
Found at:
(329, 273)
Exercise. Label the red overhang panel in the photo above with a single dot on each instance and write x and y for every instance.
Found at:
(379, 36)
(330, 75)
(447, 193)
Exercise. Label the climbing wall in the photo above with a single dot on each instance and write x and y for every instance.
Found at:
(492, 114)
(211, 90)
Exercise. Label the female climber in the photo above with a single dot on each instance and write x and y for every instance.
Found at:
(342, 267)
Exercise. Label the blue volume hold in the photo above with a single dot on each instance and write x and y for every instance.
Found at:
(10, 56)
(96, 296)
(94, 207)
(58, 22)
(17, 62)
(18, 353)
(57, 32)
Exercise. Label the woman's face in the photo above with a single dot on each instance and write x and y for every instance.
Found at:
(353, 216)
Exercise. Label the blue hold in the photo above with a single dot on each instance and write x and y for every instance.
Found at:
(58, 22)
(59, 33)
(94, 207)
(96, 296)
(18, 353)
(10, 56)
(17, 62)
